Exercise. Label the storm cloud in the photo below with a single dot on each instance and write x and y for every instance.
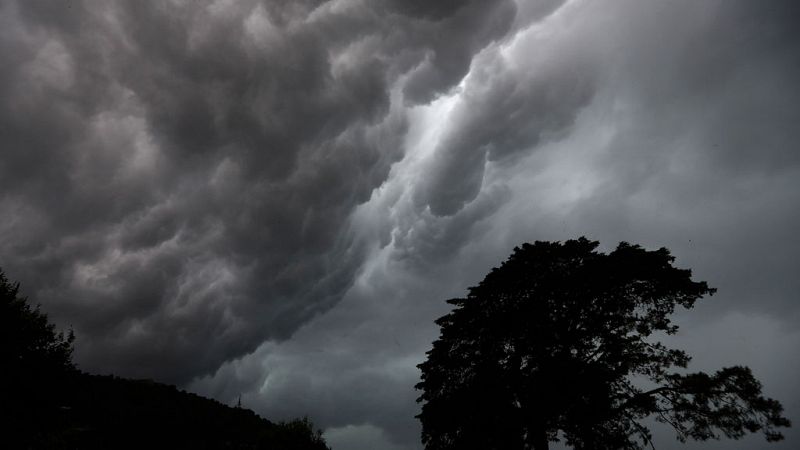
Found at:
(180, 176)
(272, 199)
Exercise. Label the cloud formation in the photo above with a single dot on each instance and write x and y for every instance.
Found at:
(273, 199)
(613, 124)
(181, 175)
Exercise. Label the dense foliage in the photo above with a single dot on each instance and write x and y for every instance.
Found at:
(36, 363)
(46, 403)
(558, 344)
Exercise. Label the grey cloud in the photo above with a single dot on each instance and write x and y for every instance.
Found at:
(532, 12)
(181, 176)
(360, 437)
(722, 153)
(281, 234)
(465, 33)
(433, 240)
(651, 142)
(428, 10)
(503, 111)
(353, 366)
(688, 143)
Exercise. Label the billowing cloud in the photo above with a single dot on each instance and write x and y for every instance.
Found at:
(614, 124)
(181, 175)
(273, 199)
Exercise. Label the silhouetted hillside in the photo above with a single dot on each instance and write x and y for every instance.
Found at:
(46, 403)
(102, 412)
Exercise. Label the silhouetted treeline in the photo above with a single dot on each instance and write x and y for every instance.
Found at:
(101, 412)
(46, 403)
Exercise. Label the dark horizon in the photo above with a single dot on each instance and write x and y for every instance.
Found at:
(273, 200)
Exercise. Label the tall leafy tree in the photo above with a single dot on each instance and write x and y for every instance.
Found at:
(559, 344)
(35, 365)
(29, 343)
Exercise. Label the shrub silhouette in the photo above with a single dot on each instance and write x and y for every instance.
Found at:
(558, 343)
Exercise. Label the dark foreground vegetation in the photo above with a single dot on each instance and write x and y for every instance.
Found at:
(560, 344)
(46, 403)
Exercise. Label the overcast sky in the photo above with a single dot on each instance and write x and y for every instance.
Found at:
(273, 199)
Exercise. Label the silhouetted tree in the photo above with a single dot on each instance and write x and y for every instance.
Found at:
(35, 361)
(28, 342)
(557, 344)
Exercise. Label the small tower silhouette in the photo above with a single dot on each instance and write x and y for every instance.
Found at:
(239, 402)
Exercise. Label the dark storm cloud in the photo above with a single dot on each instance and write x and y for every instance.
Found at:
(449, 58)
(178, 177)
(664, 124)
(280, 195)
(532, 102)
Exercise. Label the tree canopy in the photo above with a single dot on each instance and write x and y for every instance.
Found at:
(29, 343)
(559, 344)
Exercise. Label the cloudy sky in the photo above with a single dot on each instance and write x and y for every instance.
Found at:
(274, 198)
